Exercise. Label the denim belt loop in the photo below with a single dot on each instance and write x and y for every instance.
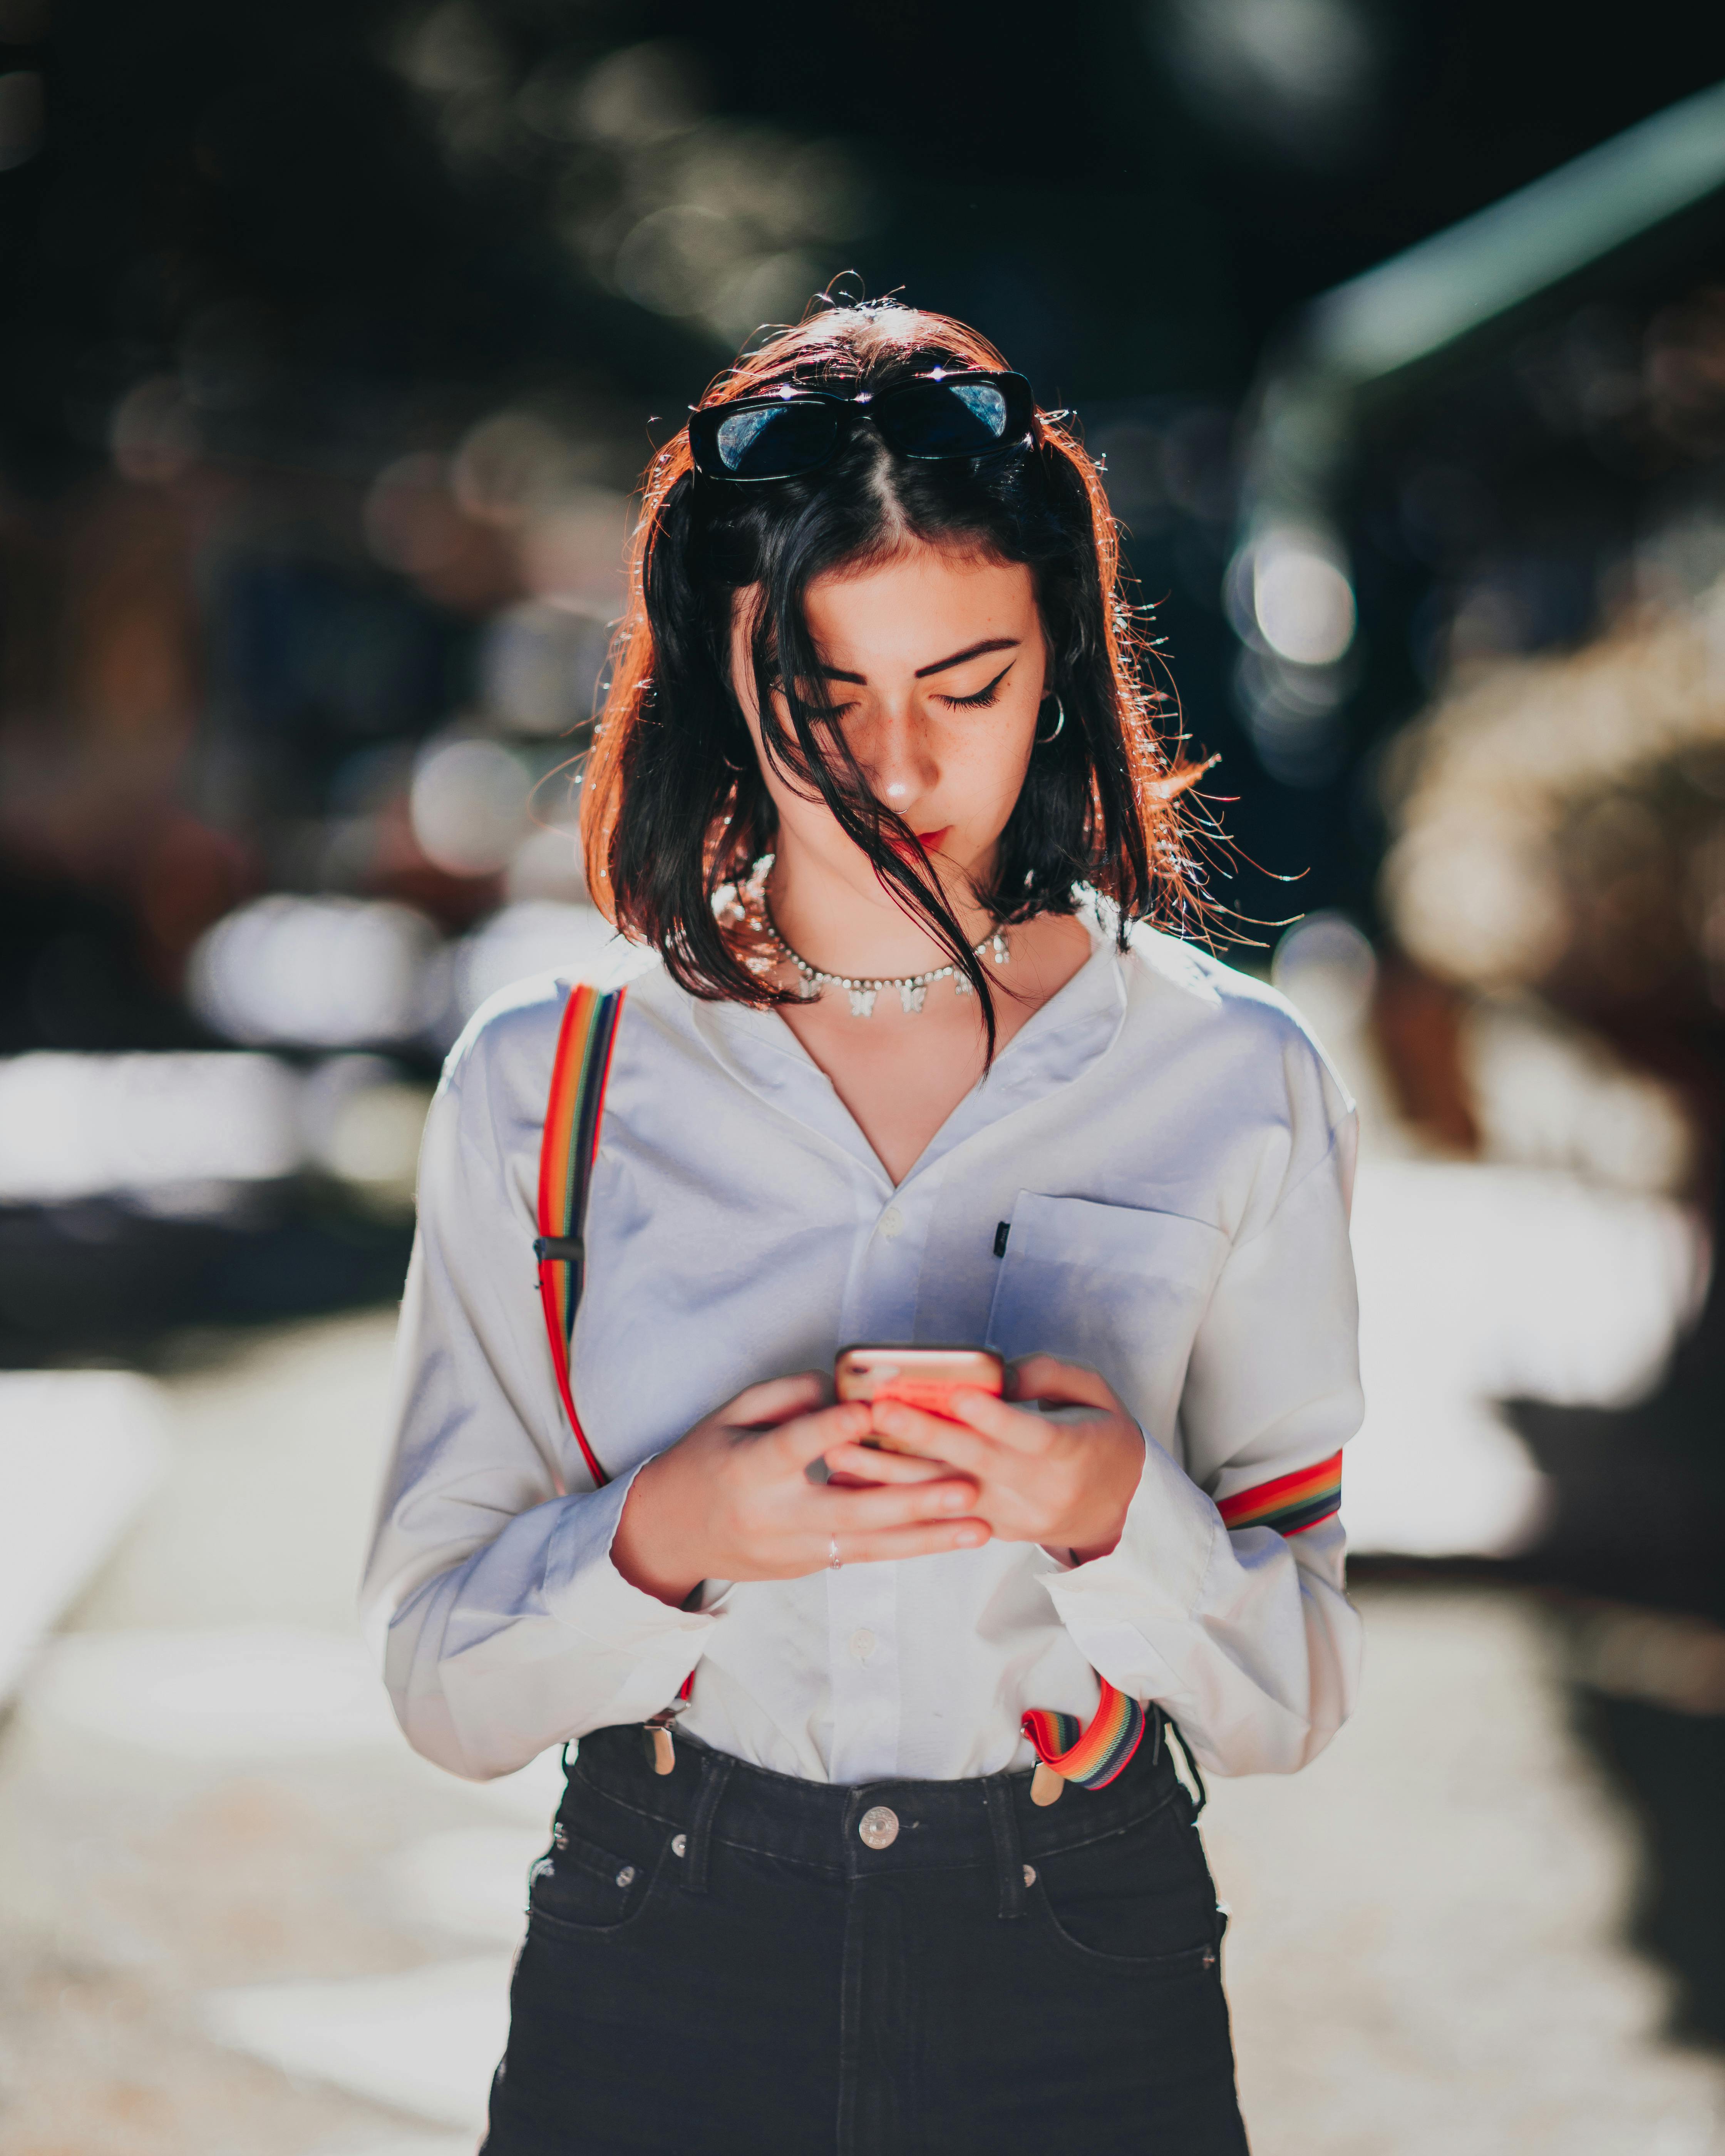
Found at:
(715, 1772)
(1008, 1857)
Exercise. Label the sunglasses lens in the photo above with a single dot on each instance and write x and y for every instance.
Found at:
(947, 419)
(774, 441)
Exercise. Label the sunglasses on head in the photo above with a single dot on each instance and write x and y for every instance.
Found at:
(937, 416)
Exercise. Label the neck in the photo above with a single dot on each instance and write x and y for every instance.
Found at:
(846, 923)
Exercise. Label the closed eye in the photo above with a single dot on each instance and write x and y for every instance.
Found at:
(833, 716)
(983, 697)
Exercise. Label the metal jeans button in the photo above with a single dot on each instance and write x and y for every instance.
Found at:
(879, 1826)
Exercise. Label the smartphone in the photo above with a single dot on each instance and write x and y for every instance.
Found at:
(925, 1377)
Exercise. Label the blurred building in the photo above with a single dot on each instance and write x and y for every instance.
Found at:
(1486, 487)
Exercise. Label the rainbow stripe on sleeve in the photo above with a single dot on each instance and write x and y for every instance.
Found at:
(1092, 1757)
(1290, 1503)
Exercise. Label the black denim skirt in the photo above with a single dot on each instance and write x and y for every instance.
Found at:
(722, 1960)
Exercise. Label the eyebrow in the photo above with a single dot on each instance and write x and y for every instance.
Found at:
(939, 665)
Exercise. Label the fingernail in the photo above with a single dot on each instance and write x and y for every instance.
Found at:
(954, 1501)
(968, 1538)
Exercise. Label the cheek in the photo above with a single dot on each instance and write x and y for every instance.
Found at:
(812, 821)
(991, 775)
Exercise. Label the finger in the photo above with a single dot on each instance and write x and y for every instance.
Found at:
(774, 1400)
(885, 1545)
(916, 1428)
(806, 1437)
(933, 1438)
(981, 1412)
(1045, 1378)
(844, 1511)
(880, 1467)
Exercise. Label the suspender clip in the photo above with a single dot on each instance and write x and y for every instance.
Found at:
(661, 1747)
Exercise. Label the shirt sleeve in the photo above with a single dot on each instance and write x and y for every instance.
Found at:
(505, 1627)
(1244, 1633)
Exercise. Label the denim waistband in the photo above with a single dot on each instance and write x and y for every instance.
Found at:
(709, 1796)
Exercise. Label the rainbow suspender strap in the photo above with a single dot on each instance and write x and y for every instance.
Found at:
(1093, 1755)
(573, 1114)
(567, 1153)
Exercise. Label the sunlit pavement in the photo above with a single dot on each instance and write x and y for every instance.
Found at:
(239, 1915)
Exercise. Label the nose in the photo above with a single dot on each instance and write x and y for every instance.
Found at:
(897, 756)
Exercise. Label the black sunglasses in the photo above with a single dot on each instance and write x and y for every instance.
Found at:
(796, 430)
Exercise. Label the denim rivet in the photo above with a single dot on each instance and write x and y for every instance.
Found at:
(1030, 1874)
(679, 1845)
(626, 1877)
(560, 1837)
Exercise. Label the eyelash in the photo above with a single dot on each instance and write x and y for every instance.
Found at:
(983, 697)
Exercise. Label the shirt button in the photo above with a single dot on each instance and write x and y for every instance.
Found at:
(892, 1224)
(879, 1826)
(862, 1644)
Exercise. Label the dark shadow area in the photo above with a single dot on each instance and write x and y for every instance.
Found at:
(1669, 1768)
(96, 1280)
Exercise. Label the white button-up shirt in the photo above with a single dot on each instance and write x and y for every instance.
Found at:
(1171, 1157)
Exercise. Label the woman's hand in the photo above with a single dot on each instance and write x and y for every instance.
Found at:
(1063, 1482)
(733, 1500)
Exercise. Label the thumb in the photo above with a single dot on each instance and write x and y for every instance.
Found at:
(806, 1437)
(775, 1400)
(1044, 1377)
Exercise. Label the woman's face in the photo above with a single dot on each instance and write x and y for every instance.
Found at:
(935, 663)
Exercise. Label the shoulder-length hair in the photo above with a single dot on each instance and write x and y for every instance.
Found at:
(674, 806)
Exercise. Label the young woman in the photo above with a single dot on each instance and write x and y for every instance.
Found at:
(878, 804)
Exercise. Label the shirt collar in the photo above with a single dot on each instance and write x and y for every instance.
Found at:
(1074, 1029)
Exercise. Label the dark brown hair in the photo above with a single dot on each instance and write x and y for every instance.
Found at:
(673, 804)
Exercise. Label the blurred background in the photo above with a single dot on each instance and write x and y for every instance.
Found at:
(335, 339)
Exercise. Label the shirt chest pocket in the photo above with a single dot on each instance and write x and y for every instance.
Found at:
(1114, 1287)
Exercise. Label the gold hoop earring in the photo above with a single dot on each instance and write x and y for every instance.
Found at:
(1042, 741)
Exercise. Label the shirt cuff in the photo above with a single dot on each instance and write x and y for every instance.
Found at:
(1155, 1573)
(586, 1592)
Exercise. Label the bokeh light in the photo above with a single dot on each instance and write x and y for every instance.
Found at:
(315, 972)
(148, 1126)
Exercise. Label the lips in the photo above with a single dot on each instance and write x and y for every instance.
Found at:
(926, 843)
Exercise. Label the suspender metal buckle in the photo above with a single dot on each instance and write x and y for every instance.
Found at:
(659, 1741)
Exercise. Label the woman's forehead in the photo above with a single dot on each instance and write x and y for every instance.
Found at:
(917, 607)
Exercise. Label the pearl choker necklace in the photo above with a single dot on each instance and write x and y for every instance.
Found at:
(748, 903)
(911, 988)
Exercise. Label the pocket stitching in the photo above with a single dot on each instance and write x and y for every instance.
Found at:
(1199, 1286)
(1149, 1964)
(1169, 1965)
(1185, 1227)
(550, 1920)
